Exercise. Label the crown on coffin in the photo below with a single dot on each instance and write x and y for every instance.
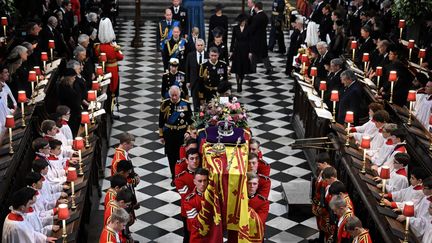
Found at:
(225, 128)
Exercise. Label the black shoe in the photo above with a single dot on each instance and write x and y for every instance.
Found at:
(269, 71)
(281, 51)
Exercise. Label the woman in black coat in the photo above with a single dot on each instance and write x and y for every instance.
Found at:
(239, 51)
(218, 20)
(70, 95)
(337, 42)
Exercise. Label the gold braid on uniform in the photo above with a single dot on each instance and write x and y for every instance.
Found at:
(165, 110)
(163, 35)
(171, 51)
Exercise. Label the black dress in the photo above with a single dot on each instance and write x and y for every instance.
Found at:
(19, 81)
(240, 51)
(221, 22)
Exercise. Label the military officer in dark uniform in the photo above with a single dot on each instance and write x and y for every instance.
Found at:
(174, 77)
(212, 73)
(277, 20)
(175, 47)
(179, 13)
(165, 28)
(175, 116)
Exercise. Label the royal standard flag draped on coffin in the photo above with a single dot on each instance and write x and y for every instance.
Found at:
(226, 199)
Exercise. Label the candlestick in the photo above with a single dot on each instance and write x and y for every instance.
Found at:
(87, 144)
(80, 172)
(322, 99)
(52, 55)
(383, 192)
(348, 134)
(73, 206)
(64, 230)
(334, 112)
(11, 151)
(391, 92)
(410, 113)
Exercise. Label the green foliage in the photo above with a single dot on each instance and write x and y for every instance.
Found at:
(413, 11)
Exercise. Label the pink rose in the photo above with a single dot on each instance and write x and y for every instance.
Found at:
(201, 114)
(237, 105)
(240, 116)
(229, 118)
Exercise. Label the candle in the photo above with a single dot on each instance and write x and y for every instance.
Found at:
(365, 57)
(349, 117)
(378, 71)
(4, 21)
(365, 142)
(392, 76)
(411, 44)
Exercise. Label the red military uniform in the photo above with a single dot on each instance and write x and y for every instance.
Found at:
(108, 235)
(261, 206)
(263, 166)
(342, 234)
(328, 228)
(109, 209)
(113, 55)
(192, 209)
(119, 154)
(264, 185)
(363, 238)
(110, 195)
(180, 166)
(185, 186)
(318, 204)
(348, 202)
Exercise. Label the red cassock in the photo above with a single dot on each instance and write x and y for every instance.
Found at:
(192, 206)
(185, 186)
(363, 238)
(261, 206)
(113, 55)
(119, 155)
(342, 234)
(264, 185)
(110, 195)
(349, 202)
(107, 235)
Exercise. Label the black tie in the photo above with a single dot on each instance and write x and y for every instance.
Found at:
(200, 58)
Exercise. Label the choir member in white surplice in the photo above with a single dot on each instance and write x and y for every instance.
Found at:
(423, 105)
(16, 228)
(413, 193)
(369, 128)
(421, 217)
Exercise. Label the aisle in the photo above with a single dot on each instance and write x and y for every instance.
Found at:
(269, 103)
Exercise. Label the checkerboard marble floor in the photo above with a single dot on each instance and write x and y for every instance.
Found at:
(270, 104)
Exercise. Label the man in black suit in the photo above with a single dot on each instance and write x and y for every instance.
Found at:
(193, 61)
(350, 99)
(334, 80)
(49, 32)
(258, 33)
(380, 56)
(297, 38)
(367, 44)
(179, 13)
(317, 15)
(323, 64)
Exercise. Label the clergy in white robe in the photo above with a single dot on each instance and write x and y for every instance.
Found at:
(427, 236)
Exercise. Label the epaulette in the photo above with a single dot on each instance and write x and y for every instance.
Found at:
(167, 72)
(222, 61)
(185, 40)
(165, 100)
(181, 173)
(187, 101)
(181, 72)
(181, 160)
(190, 196)
(206, 61)
(262, 197)
(263, 176)
(96, 44)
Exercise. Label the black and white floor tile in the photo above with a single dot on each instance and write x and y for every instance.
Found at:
(270, 105)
